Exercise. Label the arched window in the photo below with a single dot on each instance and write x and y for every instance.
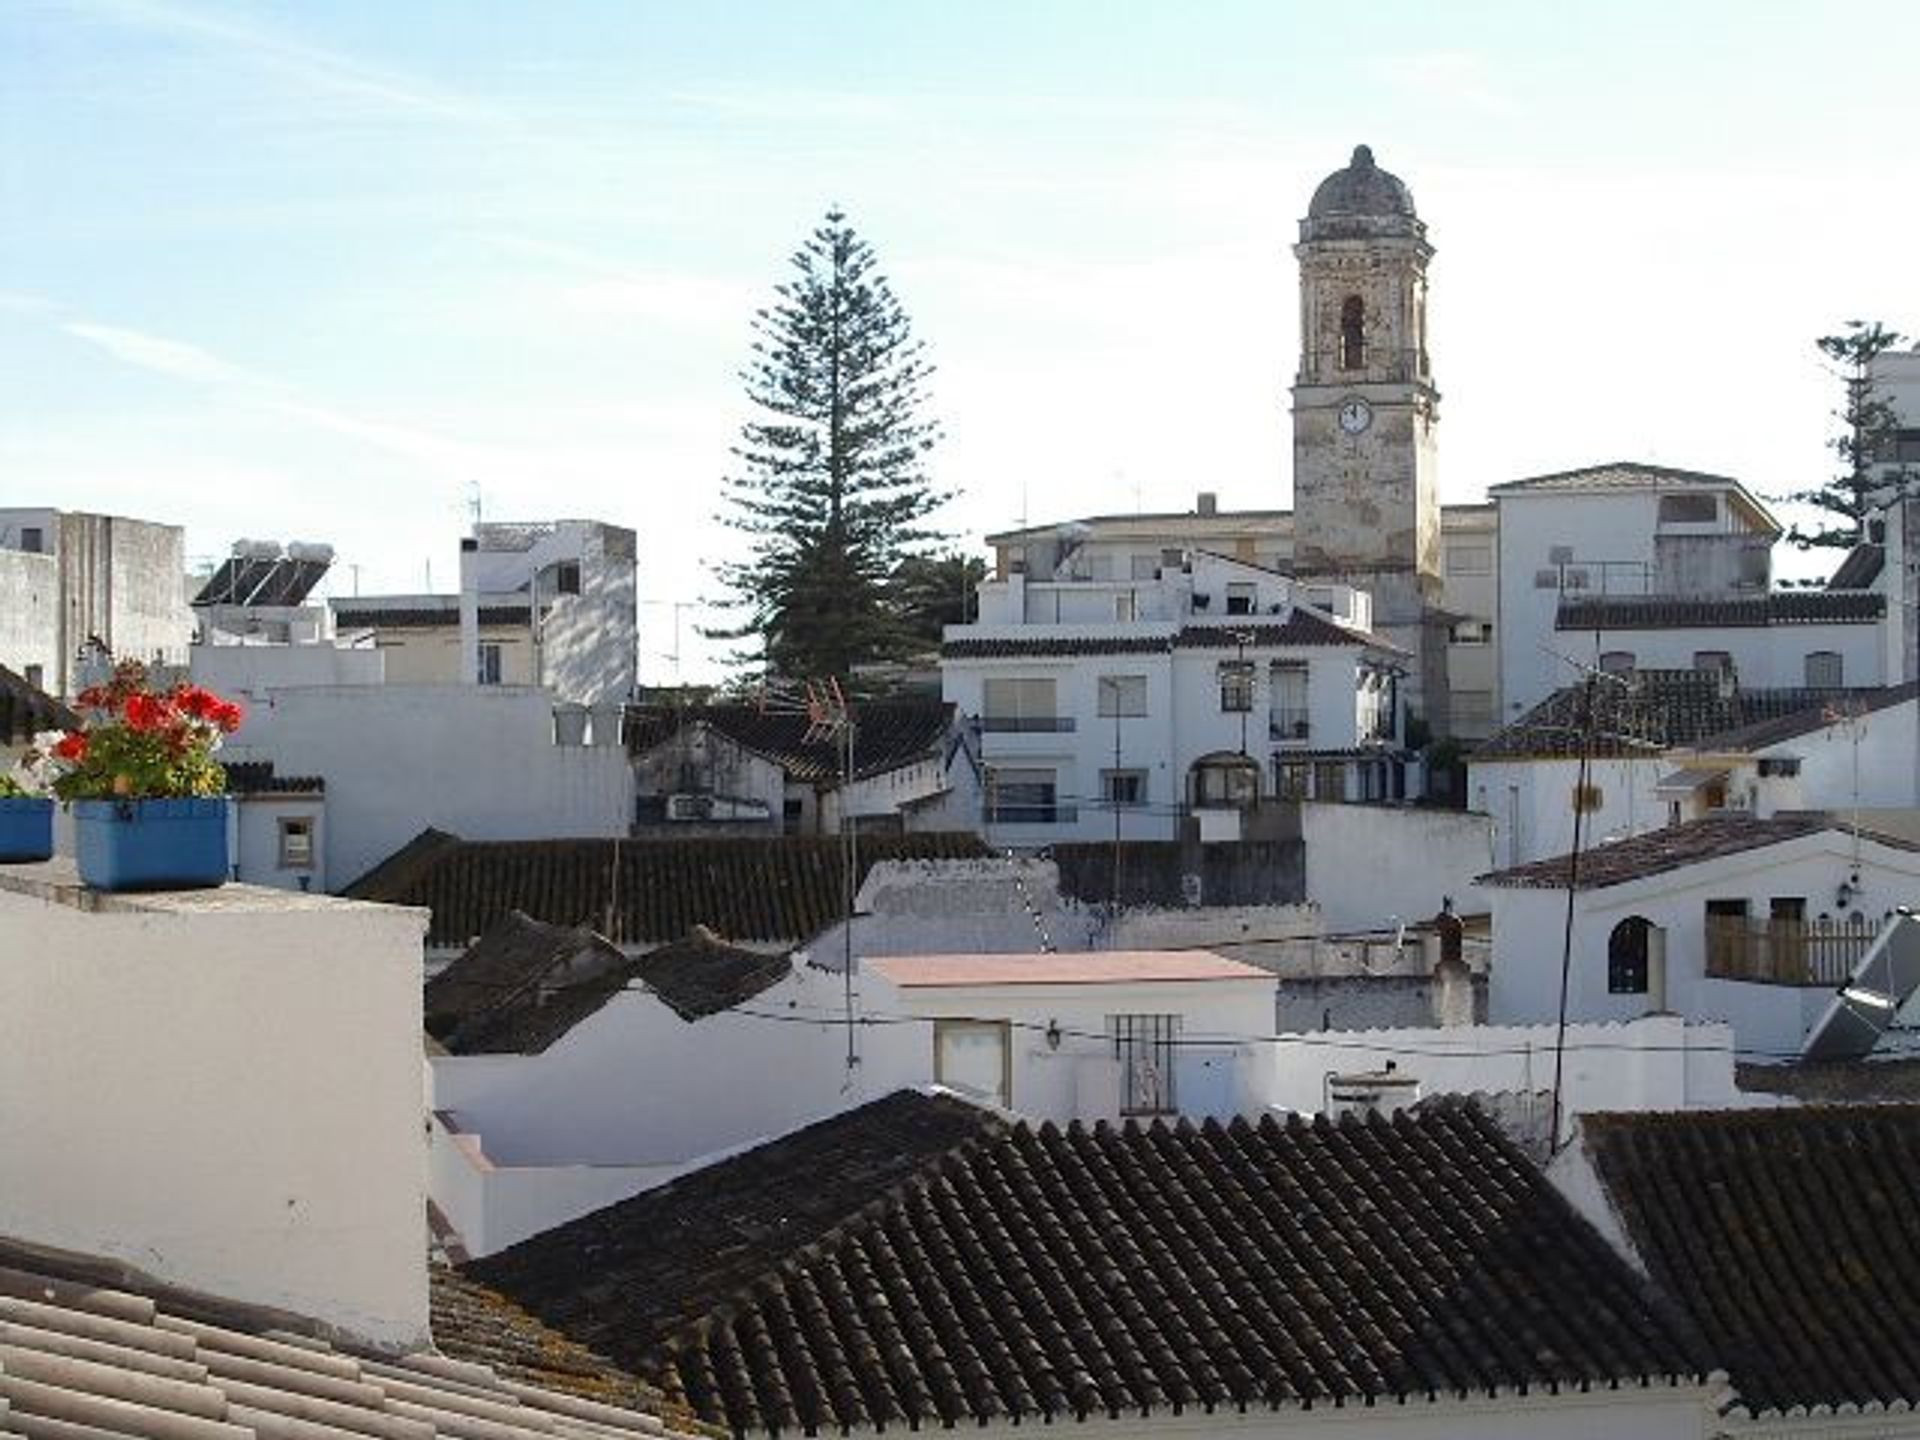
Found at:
(1627, 957)
(1353, 334)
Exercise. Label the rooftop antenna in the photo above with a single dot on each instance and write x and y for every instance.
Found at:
(829, 716)
(473, 502)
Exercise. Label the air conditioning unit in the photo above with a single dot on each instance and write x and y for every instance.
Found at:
(689, 807)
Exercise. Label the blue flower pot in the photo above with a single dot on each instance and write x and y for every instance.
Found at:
(151, 844)
(26, 829)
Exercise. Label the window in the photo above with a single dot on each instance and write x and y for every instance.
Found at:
(566, 577)
(973, 1057)
(1123, 607)
(1173, 559)
(1471, 632)
(1587, 799)
(36, 676)
(1123, 787)
(296, 843)
(1145, 1046)
(1330, 780)
(33, 539)
(1825, 669)
(1124, 696)
(1290, 717)
(1906, 447)
(1099, 567)
(1292, 779)
(1614, 662)
(1627, 957)
(1469, 560)
(1688, 509)
(1236, 686)
(1144, 567)
(1222, 781)
(1242, 598)
(1783, 766)
(490, 659)
(1024, 797)
(1718, 662)
(1022, 705)
(1353, 333)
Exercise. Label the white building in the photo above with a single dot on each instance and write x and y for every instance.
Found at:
(598, 1082)
(549, 603)
(1755, 922)
(1113, 707)
(72, 583)
(490, 762)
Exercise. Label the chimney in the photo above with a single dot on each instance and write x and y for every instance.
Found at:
(262, 1141)
(469, 611)
(1207, 503)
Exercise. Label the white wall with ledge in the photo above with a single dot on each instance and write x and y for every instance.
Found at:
(221, 1088)
(1658, 1062)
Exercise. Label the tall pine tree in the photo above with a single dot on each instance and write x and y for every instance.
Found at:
(1864, 443)
(831, 480)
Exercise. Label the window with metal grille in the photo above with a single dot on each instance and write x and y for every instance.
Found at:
(1826, 670)
(1145, 1045)
(490, 662)
(1236, 685)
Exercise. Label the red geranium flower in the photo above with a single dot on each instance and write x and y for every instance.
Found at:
(226, 714)
(71, 746)
(146, 712)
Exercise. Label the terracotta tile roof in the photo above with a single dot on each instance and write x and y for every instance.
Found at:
(522, 986)
(27, 709)
(394, 875)
(1684, 612)
(86, 1349)
(1103, 967)
(1839, 1082)
(887, 735)
(1647, 712)
(1675, 847)
(917, 1261)
(482, 1327)
(1301, 628)
(639, 892)
(1791, 1236)
(257, 777)
(1860, 569)
(1809, 719)
(1613, 475)
(702, 975)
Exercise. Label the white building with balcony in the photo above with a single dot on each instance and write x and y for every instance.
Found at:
(1112, 706)
(1630, 566)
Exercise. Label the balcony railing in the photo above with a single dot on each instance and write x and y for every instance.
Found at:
(1288, 724)
(1035, 814)
(1786, 952)
(1026, 724)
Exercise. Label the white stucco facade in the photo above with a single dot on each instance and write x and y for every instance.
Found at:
(481, 761)
(221, 1088)
(1769, 1020)
(1370, 867)
(1100, 699)
(1620, 530)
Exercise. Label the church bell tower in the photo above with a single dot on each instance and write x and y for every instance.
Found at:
(1364, 404)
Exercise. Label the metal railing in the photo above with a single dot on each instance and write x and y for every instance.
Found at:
(1786, 952)
(1286, 723)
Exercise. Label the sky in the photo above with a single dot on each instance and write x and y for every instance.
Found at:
(343, 271)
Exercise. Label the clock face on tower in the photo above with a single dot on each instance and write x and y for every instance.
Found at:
(1355, 415)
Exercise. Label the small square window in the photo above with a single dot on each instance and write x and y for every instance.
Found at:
(33, 539)
(1122, 788)
(566, 578)
(296, 843)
